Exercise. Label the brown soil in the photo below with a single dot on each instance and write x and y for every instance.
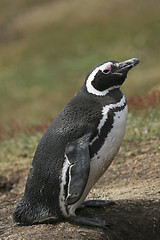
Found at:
(133, 181)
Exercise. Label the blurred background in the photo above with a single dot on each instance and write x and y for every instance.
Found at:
(47, 48)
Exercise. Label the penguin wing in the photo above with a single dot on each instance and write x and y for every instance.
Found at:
(78, 157)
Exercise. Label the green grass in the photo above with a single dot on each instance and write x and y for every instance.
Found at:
(22, 146)
(143, 126)
(17, 153)
(48, 48)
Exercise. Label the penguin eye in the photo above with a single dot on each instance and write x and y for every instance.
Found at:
(107, 68)
(106, 71)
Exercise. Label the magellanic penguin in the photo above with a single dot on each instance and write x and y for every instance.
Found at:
(77, 148)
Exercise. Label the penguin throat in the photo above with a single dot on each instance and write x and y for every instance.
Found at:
(92, 90)
(107, 123)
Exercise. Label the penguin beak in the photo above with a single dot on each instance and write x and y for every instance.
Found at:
(124, 67)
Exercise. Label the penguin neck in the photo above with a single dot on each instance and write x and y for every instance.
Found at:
(91, 89)
(112, 95)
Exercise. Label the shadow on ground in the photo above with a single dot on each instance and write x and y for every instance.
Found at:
(129, 220)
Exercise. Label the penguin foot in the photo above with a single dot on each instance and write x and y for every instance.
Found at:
(93, 222)
(97, 203)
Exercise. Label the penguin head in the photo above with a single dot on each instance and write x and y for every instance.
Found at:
(108, 75)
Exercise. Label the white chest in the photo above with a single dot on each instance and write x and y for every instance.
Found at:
(101, 161)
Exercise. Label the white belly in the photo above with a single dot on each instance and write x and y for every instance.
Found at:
(105, 155)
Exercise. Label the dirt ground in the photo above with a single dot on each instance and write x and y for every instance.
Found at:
(132, 181)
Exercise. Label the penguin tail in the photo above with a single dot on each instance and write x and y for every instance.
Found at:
(23, 213)
(27, 213)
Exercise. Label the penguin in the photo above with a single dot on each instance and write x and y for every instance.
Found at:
(76, 150)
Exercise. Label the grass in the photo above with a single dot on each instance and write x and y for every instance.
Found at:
(143, 126)
(16, 154)
(48, 48)
(21, 147)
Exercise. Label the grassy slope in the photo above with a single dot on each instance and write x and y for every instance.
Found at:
(47, 49)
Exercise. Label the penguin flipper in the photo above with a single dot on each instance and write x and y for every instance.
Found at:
(77, 154)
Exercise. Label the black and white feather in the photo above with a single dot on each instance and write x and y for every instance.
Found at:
(77, 148)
